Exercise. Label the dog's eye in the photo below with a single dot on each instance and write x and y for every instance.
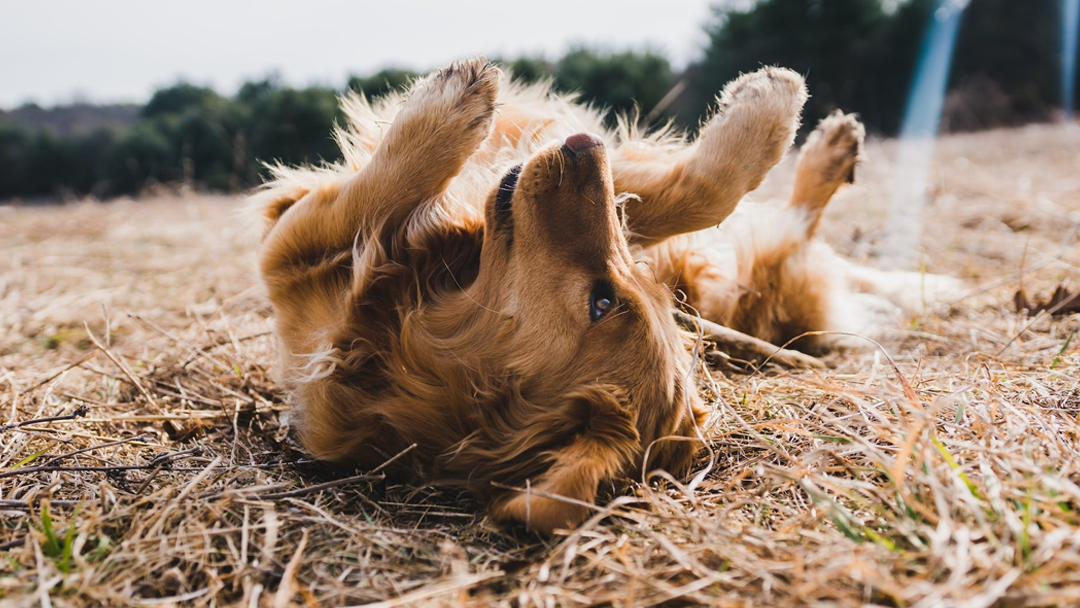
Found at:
(601, 300)
(506, 189)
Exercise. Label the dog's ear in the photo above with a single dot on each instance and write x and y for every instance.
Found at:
(274, 208)
(605, 443)
(273, 204)
(270, 204)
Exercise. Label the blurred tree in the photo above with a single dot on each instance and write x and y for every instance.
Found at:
(617, 81)
(1006, 68)
(382, 82)
(187, 134)
(178, 98)
(855, 54)
(13, 143)
(528, 69)
(143, 156)
(44, 165)
(253, 92)
(294, 126)
(206, 139)
(86, 172)
(40, 163)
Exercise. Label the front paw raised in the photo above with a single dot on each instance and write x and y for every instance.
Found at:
(459, 98)
(754, 125)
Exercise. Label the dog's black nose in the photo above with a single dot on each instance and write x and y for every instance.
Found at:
(581, 142)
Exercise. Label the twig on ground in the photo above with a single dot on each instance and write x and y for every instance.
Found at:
(79, 412)
(373, 475)
(213, 345)
(11, 544)
(161, 460)
(59, 457)
(10, 503)
(738, 344)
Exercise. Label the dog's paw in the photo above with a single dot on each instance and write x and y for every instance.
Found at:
(756, 118)
(461, 95)
(540, 514)
(773, 93)
(832, 151)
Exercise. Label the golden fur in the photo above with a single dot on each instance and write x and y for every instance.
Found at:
(415, 304)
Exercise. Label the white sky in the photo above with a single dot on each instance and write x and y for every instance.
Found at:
(54, 51)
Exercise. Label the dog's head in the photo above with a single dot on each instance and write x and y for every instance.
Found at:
(584, 314)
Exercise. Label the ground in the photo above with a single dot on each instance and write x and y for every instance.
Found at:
(951, 479)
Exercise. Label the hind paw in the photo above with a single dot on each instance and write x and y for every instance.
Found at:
(827, 161)
(833, 150)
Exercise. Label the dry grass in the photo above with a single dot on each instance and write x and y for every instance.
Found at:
(953, 480)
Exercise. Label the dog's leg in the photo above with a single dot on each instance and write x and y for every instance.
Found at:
(753, 127)
(786, 290)
(562, 496)
(445, 118)
(827, 161)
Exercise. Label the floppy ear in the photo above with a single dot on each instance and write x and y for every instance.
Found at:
(271, 203)
(273, 208)
(604, 444)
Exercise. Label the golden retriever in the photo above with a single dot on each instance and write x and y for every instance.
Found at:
(489, 275)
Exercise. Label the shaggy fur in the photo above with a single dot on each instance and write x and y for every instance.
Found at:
(520, 334)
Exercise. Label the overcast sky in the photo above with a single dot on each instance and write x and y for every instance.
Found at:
(54, 51)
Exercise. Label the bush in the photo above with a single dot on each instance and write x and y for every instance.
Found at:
(382, 82)
(294, 125)
(616, 81)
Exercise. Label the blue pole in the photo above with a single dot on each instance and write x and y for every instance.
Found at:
(923, 114)
(1070, 22)
(922, 117)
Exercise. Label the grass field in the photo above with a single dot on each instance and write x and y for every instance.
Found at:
(168, 477)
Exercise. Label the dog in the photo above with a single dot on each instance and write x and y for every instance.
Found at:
(489, 275)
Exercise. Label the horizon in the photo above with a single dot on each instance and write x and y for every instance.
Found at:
(119, 52)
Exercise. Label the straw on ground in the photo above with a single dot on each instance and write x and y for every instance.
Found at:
(145, 456)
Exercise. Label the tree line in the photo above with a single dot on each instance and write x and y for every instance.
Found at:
(859, 55)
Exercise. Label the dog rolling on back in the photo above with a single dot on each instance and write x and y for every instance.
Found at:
(489, 275)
